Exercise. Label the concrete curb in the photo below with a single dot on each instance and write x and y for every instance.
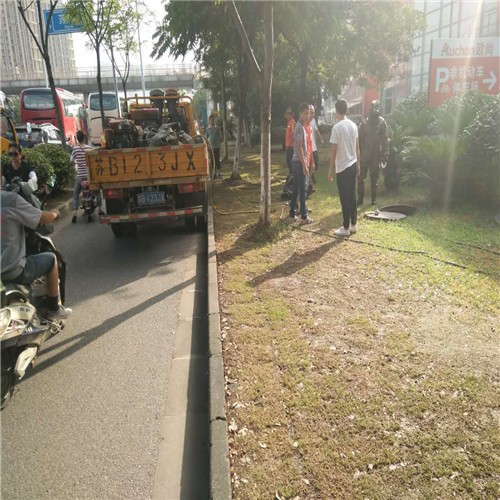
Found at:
(63, 206)
(220, 475)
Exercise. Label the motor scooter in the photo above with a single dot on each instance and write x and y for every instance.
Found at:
(89, 203)
(24, 326)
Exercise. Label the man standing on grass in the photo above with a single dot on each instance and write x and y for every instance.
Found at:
(374, 145)
(213, 133)
(344, 156)
(301, 160)
(290, 130)
(315, 135)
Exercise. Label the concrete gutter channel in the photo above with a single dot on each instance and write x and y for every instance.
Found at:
(220, 476)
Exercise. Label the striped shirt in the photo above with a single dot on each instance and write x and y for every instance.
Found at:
(78, 158)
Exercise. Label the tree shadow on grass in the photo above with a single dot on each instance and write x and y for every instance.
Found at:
(253, 238)
(295, 263)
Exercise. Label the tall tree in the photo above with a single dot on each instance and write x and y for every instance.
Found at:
(42, 44)
(95, 17)
(264, 77)
(120, 38)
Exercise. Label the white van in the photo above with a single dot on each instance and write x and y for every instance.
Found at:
(110, 105)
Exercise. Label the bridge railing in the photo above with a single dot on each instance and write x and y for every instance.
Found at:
(106, 71)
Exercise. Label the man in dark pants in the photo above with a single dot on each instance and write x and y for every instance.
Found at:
(290, 130)
(374, 146)
(301, 161)
(344, 157)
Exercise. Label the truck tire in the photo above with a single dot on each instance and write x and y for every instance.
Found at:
(124, 229)
(201, 222)
(190, 222)
(118, 230)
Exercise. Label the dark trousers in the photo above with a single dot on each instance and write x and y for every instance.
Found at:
(216, 158)
(346, 182)
(316, 159)
(299, 190)
(288, 187)
(373, 168)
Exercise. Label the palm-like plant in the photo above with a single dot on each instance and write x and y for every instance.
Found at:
(432, 161)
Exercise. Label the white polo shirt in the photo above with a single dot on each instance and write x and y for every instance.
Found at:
(344, 134)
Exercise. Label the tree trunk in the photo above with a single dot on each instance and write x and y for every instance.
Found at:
(246, 131)
(224, 114)
(265, 116)
(99, 83)
(304, 63)
(52, 85)
(235, 175)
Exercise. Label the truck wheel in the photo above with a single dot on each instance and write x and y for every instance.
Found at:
(118, 230)
(131, 228)
(201, 222)
(190, 222)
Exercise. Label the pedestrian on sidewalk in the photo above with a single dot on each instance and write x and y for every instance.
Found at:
(290, 130)
(213, 133)
(344, 157)
(315, 135)
(302, 159)
(80, 162)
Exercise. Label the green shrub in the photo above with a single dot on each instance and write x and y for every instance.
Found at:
(42, 166)
(60, 160)
(481, 163)
(278, 134)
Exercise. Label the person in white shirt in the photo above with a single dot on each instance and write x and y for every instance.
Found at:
(344, 157)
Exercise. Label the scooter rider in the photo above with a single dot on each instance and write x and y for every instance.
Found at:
(18, 167)
(16, 266)
(374, 148)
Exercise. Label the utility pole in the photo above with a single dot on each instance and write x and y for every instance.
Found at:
(140, 54)
(40, 26)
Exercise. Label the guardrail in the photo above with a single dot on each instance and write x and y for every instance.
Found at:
(106, 71)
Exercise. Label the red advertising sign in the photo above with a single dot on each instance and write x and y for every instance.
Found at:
(462, 65)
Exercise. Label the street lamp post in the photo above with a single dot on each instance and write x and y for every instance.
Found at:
(140, 55)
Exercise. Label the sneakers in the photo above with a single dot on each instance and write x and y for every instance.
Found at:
(308, 220)
(353, 229)
(342, 231)
(359, 202)
(294, 219)
(73, 219)
(373, 203)
(218, 175)
(61, 313)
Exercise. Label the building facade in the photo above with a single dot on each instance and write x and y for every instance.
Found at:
(19, 55)
(444, 19)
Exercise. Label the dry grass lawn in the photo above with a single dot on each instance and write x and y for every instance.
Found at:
(354, 371)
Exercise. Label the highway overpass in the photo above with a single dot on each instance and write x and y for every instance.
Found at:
(83, 81)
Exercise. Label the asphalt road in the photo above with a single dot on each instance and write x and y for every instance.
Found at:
(85, 422)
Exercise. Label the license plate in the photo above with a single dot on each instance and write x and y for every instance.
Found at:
(151, 198)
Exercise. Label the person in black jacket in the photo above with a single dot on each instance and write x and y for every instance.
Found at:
(18, 167)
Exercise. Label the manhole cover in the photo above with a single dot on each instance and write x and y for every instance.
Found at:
(383, 215)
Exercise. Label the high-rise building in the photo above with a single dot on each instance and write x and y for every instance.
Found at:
(444, 19)
(19, 55)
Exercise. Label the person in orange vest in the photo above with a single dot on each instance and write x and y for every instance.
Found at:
(290, 130)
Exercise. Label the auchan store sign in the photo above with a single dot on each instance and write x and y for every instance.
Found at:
(461, 65)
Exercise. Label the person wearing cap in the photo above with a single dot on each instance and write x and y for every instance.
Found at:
(290, 131)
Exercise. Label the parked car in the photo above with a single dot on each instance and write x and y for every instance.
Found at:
(30, 135)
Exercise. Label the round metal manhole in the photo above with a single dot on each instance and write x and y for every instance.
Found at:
(400, 209)
(384, 215)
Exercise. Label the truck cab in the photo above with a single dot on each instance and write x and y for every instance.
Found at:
(7, 131)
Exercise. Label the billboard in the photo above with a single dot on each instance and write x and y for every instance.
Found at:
(462, 65)
(58, 26)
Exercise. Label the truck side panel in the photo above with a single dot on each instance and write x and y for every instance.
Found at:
(107, 166)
